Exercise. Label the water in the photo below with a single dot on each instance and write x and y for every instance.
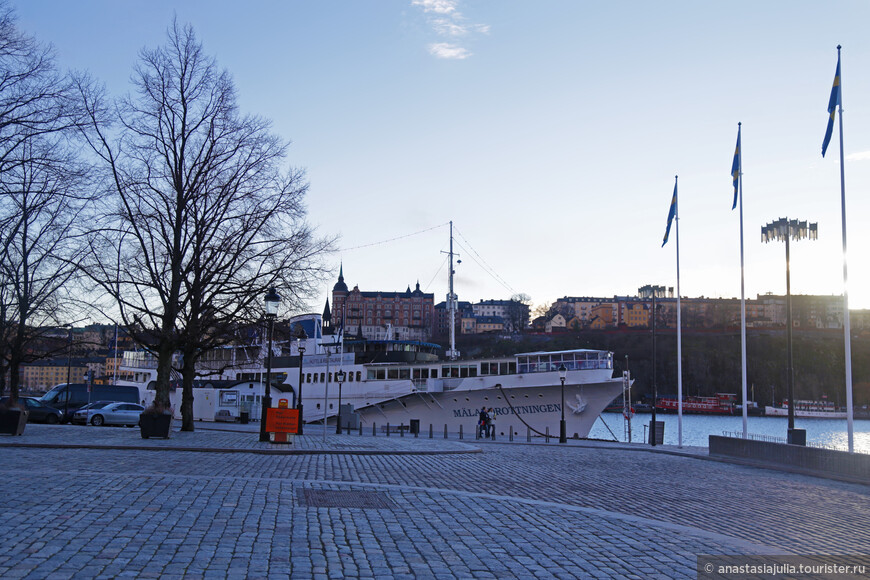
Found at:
(831, 433)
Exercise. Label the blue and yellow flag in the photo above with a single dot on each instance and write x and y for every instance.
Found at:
(735, 167)
(832, 106)
(671, 214)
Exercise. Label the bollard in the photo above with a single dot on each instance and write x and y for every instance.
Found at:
(430, 430)
(417, 432)
(360, 428)
(547, 436)
(460, 431)
(388, 429)
(401, 429)
(511, 436)
(528, 434)
(445, 430)
(374, 429)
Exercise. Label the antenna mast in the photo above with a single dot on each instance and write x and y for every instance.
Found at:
(452, 354)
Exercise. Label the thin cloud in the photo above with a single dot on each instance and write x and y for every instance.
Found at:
(448, 23)
(450, 51)
(436, 6)
(861, 156)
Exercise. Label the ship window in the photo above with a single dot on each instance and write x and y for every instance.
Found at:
(315, 377)
(322, 377)
(359, 376)
(318, 405)
(350, 377)
(393, 373)
(308, 378)
(405, 374)
(330, 405)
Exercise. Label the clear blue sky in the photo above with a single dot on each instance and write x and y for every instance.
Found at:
(549, 132)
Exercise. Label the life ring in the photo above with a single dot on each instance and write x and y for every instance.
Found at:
(628, 414)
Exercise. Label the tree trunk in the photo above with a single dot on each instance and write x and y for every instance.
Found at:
(188, 373)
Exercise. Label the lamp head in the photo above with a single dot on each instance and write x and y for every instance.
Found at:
(272, 300)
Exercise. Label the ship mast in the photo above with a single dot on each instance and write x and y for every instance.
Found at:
(452, 354)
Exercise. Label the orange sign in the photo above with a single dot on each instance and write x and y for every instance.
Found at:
(282, 403)
(282, 420)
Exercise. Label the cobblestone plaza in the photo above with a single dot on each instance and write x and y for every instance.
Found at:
(102, 502)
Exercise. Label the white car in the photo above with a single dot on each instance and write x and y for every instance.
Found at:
(111, 414)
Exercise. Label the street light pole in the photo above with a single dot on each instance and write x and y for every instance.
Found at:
(339, 376)
(563, 431)
(272, 300)
(785, 230)
(301, 348)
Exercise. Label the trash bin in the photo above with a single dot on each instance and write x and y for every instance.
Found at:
(415, 426)
(244, 417)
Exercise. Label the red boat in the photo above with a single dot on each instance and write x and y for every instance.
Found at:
(721, 404)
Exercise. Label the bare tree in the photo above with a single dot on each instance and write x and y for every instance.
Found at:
(518, 312)
(203, 219)
(41, 194)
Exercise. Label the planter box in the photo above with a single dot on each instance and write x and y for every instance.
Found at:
(12, 421)
(151, 425)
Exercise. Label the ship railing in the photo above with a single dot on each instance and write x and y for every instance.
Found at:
(754, 437)
(420, 384)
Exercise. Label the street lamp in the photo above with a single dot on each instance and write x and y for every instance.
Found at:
(272, 300)
(340, 376)
(300, 346)
(563, 431)
(785, 230)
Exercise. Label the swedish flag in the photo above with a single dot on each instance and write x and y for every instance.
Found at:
(671, 214)
(832, 106)
(735, 167)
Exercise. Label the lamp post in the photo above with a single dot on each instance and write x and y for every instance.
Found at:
(563, 431)
(271, 300)
(340, 376)
(301, 348)
(785, 230)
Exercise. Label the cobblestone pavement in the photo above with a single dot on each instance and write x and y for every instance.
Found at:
(395, 507)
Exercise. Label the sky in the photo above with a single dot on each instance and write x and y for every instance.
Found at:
(548, 132)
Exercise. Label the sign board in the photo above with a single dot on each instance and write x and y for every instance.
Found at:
(282, 420)
(659, 429)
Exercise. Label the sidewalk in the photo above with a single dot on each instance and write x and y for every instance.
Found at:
(238, 438)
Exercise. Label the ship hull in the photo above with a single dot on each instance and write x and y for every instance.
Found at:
(804, 414)
(536, 411)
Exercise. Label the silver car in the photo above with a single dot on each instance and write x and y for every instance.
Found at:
(111, 414)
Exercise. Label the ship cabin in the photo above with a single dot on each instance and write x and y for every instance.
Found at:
(578, 359)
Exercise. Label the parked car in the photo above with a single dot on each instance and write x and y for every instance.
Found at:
(80, 416)
(111, 414)
(38, 411)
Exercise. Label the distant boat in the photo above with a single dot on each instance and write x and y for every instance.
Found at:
(721, 404)
(807, 410)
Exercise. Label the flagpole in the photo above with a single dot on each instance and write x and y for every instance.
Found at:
(742, 287)
(679, 326)
(846, 324)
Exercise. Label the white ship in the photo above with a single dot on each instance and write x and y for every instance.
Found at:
(807, 410)
(400, 383)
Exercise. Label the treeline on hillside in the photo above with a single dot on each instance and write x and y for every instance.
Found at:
(711, 361)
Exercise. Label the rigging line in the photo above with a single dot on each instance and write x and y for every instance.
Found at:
(490, 270)
(441, 267)
(393, 239)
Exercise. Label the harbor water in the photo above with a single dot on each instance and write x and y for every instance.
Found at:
(830, 433)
